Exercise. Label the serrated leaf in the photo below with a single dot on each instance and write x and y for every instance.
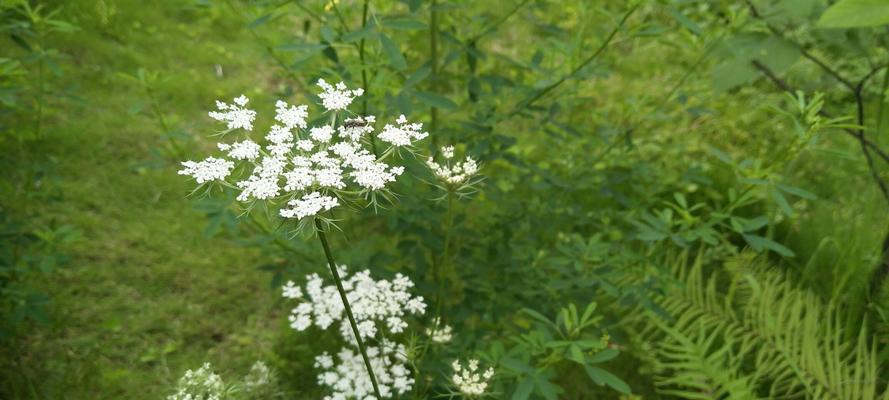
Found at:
(855, 14)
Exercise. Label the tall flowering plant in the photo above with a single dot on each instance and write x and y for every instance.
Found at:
(304, 172)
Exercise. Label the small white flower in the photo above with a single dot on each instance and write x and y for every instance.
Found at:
(291, 291)
(339, 97)
(305, 145)
(235, 115)
(210, 169)
(244, 150)
(349, 378)
(452, 174)
(291, 116)
(321, 134)
(404, 134)
(439, 333)
(260, 375)
(309, 205)
(374, 304)
(469, 381)
(447, 152)
(201, 384)
(279, 134)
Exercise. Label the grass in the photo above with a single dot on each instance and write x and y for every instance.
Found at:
(145, 295)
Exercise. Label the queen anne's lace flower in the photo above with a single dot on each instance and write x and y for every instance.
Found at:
(310, 204)
(348, 379)
(291, 116)
(439, 333)
(375, 304)
(245, 150)
(208, 170)
(235, 115)
(404, 134)
(307, 169)
(469, 381)
(452, 174)
(202, 384)
(338, 97)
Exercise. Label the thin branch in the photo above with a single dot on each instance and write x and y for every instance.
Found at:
(540, 93)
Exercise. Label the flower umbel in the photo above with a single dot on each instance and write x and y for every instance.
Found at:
(308, 169)
(348, 379)
(469, 380)
(439, 333)
(202, 384)
(375, 304)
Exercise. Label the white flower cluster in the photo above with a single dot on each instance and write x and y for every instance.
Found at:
(377, 306)
(452, 174)
(337, 97)
(208, 170)
(307, 168)
(404, 134)
(349, 379)
(439, 333)
(469, 380)
(202, 384)
(235, 115)
(374, 304)
(259, 377)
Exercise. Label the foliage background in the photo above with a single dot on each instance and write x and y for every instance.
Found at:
(618, 141)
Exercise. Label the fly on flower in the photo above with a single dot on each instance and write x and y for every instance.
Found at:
(301, 171)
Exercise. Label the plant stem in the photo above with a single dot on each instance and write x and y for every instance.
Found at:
(339, 287)
(433, 62)
(40, 92)
(364, 84)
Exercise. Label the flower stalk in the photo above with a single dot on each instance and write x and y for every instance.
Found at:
(339, 286)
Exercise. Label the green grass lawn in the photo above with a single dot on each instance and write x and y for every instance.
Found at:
(145, 295)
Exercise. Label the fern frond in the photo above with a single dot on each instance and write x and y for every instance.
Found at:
(773, 338)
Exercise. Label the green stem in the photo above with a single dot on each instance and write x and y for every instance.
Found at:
(433, 61)
(155, 106)
(342, 291)
(40, 92)
(438, 272)
(364, 83)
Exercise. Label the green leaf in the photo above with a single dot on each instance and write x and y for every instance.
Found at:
(759, 243)
(523, 391)
(740, 52)
(685, 21)
(307, 47)
(797, 192)
(364, 33)
(404, 24)
(434, 100)
(418, 76)
(782, 202)
(601, 376)
(602, 356)
(855, 14)
(396, 59)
